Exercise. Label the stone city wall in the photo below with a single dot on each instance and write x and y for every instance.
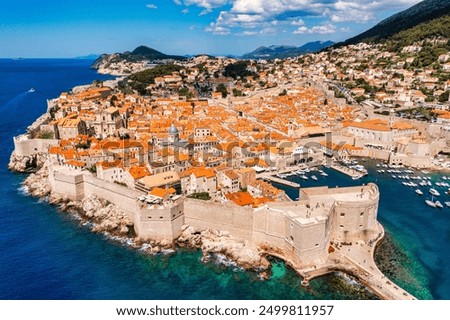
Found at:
(159, 222)
(23, 146)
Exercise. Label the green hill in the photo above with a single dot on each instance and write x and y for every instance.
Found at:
(426, 19)
(141, 53)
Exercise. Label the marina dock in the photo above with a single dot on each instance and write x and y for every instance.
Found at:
(280, 181)
(354, 174)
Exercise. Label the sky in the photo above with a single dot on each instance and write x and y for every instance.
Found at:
(70, 28)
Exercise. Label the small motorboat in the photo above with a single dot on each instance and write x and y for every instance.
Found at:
(434, 192)
(430, 203)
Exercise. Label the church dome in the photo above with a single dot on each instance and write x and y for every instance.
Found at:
(173, 130)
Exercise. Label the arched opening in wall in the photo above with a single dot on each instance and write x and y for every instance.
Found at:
(292, 238)
(342, 214)
(360, 226)
(160, 217)
(361, 214)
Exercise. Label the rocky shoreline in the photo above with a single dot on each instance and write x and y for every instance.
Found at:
(104, 217)
(26, 164)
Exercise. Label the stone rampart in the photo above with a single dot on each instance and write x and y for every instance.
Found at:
(24, 146)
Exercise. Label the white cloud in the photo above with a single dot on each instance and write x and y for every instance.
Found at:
(251, 14)
(365, 10)
(178, 2)
(298, 22)
(185, 11)
(249, 33)
(322, 29)
(207, 5)
(152, 6)
(218, 30)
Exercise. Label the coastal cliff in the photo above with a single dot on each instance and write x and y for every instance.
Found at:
(212, 241)
(104, 217)
(28, 163)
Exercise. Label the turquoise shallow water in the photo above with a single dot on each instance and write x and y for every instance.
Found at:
(46, 254)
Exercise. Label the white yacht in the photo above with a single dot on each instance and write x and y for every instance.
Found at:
(430, 203)
(438, 204)
(447, 203)
(419, 192)
(434, 192)
(314, 178)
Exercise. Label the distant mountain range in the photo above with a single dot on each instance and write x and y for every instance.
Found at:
(282, 52)
(427, 18)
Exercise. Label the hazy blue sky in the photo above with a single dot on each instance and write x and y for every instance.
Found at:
(68, 28)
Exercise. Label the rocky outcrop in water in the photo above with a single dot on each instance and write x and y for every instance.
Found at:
(212, 241)
(30, 163)
(37, 183)
(105, 216)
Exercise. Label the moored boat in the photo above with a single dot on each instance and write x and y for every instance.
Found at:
(434, 192)
(430, 203)
(419, 192)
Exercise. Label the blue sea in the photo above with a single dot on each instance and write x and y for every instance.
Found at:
(47, 254)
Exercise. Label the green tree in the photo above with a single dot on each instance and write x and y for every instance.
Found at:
(444, 97)
(222, 89)
(237, 93)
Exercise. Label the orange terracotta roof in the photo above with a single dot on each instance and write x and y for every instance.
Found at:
(199, 172)
(161, 192)
(231, 174)
(76, 163)
(241, 198)
(110, 164)
(139, 172)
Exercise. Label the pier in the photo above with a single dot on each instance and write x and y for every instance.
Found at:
(280, 181)
(352, 173)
